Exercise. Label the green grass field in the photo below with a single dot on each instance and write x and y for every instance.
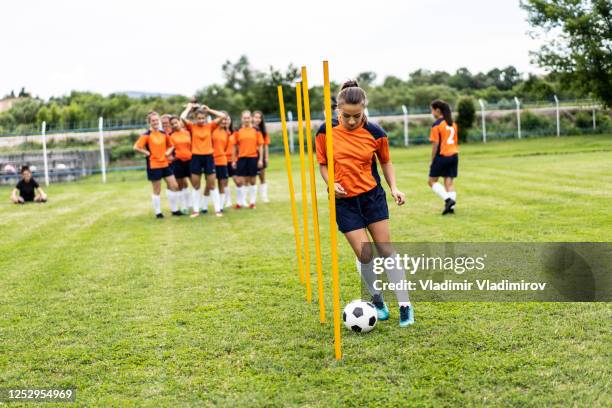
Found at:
(132, 311)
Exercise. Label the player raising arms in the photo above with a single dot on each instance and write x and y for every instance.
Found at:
(181, 140)
(202, 160)
(156, 146)
(444, 155)
(259, 123)
(361, 205)
(220, 138)
(247, 157)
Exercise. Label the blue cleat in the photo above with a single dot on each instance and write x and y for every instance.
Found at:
(406, 316)
(381, 308)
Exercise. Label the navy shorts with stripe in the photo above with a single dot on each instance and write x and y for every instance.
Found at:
(158, 174)
(181, 169)
(444, 166)
(247, 167)
(358, 212)
(202, 163)
(222, 172)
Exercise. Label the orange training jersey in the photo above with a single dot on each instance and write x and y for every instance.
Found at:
(157, 143)
(181, 139)
(354, 151)
(230, 146)
(445, 136)
(201, 137)
(248, 141)
(220, 140)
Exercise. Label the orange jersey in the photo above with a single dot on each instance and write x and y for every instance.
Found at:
(181, 139)
(266, 139)
(248, 141)
(201, 137)
(354, 155)
(157, 143)
(445, 136)
(220, 139)
(231, 142)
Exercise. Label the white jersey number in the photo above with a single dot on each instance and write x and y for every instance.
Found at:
(451, 138)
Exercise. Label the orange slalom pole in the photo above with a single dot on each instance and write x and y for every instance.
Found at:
(296, 228)
(332, 210)
(298, 93)
(313, 195)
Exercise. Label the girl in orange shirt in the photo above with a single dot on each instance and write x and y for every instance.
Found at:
(259, 123)
(247, 158)
(181, 139)
(156, 146)
(361, 204)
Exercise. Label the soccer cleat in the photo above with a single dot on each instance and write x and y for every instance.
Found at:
(160, 215)
(449, 206)
(177, 213)
(252, 206)
(406, 316)
(195, 214)
(381, 308)
(203, 211)
(237, 206)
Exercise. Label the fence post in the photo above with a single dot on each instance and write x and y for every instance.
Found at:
(290, 119)
(594, 119)
(102, 158)
(518, 115)
(406, 138)
(558, 116)
(484, 122)
(44, 143)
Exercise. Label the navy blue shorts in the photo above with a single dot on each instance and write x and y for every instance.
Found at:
(247, 167)
(444, 166)
(358, 212)
(158, 174)
(181, 169)
(202, 163)
(222, 172)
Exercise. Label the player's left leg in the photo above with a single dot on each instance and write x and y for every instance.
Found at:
(395, 274)
(173, 194)
(449, 185)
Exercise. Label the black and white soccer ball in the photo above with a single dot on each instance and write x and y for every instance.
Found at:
(359, 316)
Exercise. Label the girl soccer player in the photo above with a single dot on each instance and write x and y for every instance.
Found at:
(260, 124)
(220, 138)
(444, 155)
(231, 172)
(181, 140)
(156, 146)
(246, 159)
(202, 160)
(361, 205)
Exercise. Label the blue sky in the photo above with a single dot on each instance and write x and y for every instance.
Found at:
(179, 46)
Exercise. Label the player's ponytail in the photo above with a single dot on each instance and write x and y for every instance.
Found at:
(351, 94)
(444, 107)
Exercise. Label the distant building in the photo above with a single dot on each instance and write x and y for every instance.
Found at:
(7, 103)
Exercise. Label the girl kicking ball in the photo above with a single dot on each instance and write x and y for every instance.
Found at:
(444, 155)
(361, 205)
(156, 146)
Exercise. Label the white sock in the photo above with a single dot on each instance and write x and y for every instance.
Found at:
(155, 200)
(173, 200)
(241, 197)
(216, 199)
(397, 276)
(366, 271)
(222, 199)
(195, 197)
(253, 194)
(185, 196)
(264, 191)
(189, 198)
(452, 195)
(205, 201)
(439, 190)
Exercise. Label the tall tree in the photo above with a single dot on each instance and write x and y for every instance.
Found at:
(579, 41)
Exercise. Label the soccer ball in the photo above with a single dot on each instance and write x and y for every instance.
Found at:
(359, 316)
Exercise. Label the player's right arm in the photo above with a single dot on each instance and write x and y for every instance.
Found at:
(15, 195)
(185, 113)
(434, 137)
(140, 145)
